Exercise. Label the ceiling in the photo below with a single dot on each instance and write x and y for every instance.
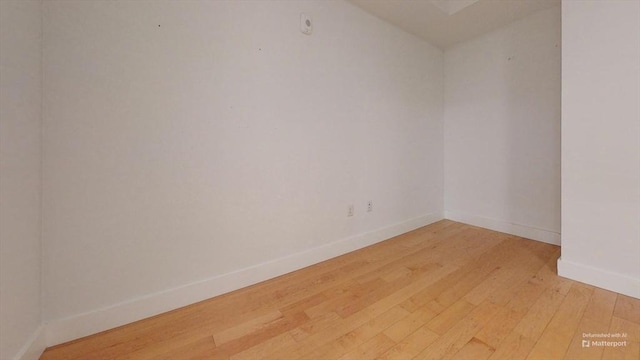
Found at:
(444, 23)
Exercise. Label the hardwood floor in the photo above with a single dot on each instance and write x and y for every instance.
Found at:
(444, 291)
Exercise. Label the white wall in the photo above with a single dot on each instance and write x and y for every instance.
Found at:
(502, 129)
(20, 177)
(192, 142)
(601, 144)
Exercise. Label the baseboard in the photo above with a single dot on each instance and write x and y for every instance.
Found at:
(34, 347)
(546, 236)
(597, 277)
(63, 330)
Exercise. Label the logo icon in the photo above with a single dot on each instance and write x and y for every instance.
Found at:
(585, 343)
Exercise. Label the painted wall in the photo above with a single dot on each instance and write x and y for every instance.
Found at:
(502, 129)
(20, 175)
(213, 144)
(601, 144)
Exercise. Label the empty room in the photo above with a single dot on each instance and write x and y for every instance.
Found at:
(319, 179)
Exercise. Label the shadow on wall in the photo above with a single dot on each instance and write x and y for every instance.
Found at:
(532, 80)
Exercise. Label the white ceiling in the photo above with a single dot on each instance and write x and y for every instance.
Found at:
(444, 23)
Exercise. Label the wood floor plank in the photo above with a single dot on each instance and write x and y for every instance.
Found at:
(247, 328)
(474, 349)
(451, 316)
(518, 303)
(342, 326)
(444, 291)
(359, 335)
(627, 308)
(455, 285)
(514, 347)
(623, 326)
(539, 315)
(370, 349)
(448, 344)
(318, 324)
(263, 349)
(631, 351)
(499, 327)
(556, 338)
(595, 319)
(198, 349)
(403, 328)
(533, 257)
(411, 345)
(520, 298)
(372, 327)
(259, 335)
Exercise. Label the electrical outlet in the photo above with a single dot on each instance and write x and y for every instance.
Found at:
(370, 206)
(351, 211)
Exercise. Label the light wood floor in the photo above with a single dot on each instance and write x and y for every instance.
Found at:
(444, 291)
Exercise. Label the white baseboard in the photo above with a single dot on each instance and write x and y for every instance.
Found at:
(63, 330)
(546, 236)
(34, 347)
(601, 278)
